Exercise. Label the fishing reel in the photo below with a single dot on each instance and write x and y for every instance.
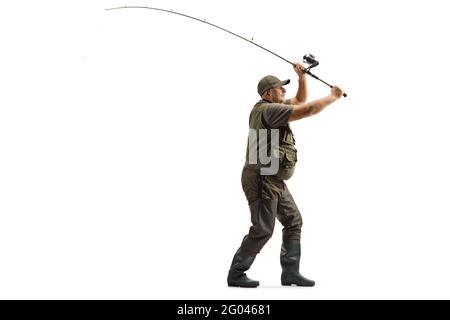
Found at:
(311, 60)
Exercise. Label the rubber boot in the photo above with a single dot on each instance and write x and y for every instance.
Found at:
(236, 275)
(290, 262)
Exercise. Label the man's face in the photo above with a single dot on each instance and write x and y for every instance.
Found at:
(277, 94)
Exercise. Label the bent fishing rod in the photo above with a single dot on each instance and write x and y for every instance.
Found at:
(309, 58)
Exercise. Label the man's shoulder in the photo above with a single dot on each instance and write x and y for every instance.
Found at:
(271, 105)
(269, 109)
(259, 106)
(276, 115)
(261, 103)
(276, 107)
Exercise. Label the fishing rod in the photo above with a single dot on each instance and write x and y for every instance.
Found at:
(309, 58)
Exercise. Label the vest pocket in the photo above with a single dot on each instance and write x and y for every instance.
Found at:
(290, 158)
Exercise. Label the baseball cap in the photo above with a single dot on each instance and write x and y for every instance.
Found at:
(269, 82)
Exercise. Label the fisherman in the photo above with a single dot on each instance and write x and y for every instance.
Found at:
(263, 182)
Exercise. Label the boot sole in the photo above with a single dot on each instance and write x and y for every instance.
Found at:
(297, 285)
(242, 286)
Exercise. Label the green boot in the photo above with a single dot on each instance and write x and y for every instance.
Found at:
(290, 262)
(236, 275)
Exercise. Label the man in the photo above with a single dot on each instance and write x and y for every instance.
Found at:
(263, 181)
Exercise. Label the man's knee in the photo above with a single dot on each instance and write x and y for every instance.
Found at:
(266, 234)
(262, 233)
(257, 238)
(293, 221)
(292, 230)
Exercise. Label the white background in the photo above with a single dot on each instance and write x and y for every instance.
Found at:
(123, 133)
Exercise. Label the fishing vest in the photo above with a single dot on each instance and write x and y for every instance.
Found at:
(261, 142)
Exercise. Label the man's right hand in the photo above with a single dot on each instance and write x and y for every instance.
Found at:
(308, 109)
(336, 92)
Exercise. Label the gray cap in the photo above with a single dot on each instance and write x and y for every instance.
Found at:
(269, 82)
